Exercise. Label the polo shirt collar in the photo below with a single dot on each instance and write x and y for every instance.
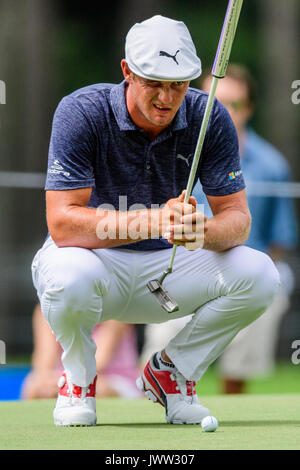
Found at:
(125, 123)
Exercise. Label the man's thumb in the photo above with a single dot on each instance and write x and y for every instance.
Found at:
(182, 196)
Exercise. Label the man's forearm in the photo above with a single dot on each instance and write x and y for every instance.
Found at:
(92, 228)
(226, 230)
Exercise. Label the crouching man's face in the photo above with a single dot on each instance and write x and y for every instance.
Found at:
(152, 105)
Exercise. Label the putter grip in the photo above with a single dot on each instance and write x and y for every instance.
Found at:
(227, 38)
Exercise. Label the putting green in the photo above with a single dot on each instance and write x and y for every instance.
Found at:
(245, 422)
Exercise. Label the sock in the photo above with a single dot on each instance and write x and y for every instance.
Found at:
(162, 364)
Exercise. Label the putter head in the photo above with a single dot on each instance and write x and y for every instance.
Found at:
(162, 296)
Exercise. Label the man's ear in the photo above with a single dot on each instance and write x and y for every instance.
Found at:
(126, 71)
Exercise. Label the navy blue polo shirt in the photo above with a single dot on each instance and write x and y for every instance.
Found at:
(94, 143)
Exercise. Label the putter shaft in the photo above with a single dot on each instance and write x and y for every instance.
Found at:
(218, 72)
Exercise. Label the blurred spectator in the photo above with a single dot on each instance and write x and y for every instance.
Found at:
(273, 231)
(116, 359)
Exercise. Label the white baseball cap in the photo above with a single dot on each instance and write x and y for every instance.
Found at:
(162, 49)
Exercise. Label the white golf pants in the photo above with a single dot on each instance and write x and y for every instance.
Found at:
(79, 288)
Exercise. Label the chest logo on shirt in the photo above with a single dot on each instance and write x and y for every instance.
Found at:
(235, 174)
(166, 54)
(185, 159)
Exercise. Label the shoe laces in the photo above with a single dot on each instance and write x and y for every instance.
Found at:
(76, 393)
(186, 387)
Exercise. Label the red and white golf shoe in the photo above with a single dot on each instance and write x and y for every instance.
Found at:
(174, 392)
(75, 406)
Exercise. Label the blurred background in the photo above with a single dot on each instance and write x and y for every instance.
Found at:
(49, 48)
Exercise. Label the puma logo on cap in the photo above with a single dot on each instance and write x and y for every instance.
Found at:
(166, 54)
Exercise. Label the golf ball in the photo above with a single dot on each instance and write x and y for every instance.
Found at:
(209, 424)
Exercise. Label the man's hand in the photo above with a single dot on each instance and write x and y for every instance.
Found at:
(182, 224)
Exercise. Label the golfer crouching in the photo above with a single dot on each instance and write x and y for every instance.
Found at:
(136, 140)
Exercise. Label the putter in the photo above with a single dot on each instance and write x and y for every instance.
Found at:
(218, 72)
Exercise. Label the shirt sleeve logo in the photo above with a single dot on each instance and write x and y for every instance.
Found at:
(57, 169)
(234, 174)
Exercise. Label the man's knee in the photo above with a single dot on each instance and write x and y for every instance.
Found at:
(266, 280)
(258, 280)
(73, 286)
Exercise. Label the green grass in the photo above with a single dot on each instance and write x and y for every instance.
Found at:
(246, 422)
(267, 417)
